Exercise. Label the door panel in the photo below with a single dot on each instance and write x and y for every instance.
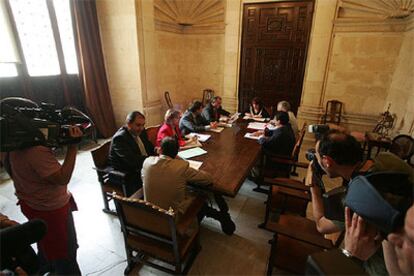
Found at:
(274, 45)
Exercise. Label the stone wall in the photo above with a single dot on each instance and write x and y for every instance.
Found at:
(188, 64)
(355, 61)
(361, 58)
(117, 24)
(401, 93)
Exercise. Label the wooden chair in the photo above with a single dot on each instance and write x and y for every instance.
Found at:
(208, 94)
(152, 133)
(153, 232)
(280, 166)
(294, 239)
(333, 112)
(100, 160)
(286, 195)
(168, 99)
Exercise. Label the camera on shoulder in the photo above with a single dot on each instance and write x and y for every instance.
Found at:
(23, 124)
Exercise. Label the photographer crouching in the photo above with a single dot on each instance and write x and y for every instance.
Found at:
(41, 188)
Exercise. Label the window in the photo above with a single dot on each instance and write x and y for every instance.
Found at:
(38, 32)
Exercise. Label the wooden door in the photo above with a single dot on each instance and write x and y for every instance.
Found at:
(274, 46)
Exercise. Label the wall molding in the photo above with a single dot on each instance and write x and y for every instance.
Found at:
(190, 17)
(351, 121)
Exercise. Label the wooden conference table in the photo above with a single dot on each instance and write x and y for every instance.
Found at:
(229, 157)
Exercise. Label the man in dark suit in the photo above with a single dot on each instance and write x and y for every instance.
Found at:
(213, 110)
(281, 140)
(192, 121)
(129, 148)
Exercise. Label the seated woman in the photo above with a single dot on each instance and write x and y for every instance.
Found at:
(256, 109)
(170, 127)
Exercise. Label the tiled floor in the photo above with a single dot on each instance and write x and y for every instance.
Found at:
(101, 248)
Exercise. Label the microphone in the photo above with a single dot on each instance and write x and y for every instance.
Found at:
(15, 249)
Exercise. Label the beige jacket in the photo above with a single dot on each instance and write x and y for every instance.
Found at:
(165, 180)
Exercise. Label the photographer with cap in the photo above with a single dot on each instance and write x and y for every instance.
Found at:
(41, 184)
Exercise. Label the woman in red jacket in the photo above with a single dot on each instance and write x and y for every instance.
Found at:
(170, 127)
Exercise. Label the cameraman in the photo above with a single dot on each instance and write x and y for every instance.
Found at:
(41, 188)
(338, 155)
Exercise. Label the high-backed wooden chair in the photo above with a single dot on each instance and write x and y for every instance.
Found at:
(152, 133)
(208, 94)
(100, 160)
(286, 195)
(280, 166)
(153, 232)
(333, 112)
(294, 239)
(168, 99)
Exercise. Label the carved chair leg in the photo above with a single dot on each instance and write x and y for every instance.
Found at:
(130, 262)
(272, 255)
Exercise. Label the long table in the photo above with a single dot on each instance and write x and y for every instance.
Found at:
(229, 158)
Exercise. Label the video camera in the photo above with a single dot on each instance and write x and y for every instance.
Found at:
(24, 124)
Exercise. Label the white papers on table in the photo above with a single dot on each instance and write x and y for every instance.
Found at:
(234, 118)
(222, 124)
(200, 137)
(192, 144)
(186, 154)
(218, 129)
(252, 136)
(258, 126)
(223, 118)
(254, 118)
(195, 164)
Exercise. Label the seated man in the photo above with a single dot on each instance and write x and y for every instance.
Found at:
(192, 121)
(165, 178)
(129, 148)
(213, 110)
(285, 107)
(281, 140)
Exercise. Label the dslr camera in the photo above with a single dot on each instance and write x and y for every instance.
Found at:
(23, 124)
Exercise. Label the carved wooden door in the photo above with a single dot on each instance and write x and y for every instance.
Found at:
(274, 46)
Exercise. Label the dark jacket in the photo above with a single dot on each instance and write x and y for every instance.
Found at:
(125, 156)
(191, 123)
(263, 112)
(211, 114)
(281, 141)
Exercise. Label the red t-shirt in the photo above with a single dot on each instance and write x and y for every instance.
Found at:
(29, 169)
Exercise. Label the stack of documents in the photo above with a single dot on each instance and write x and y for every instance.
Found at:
(195, 164)
(200, 137)
(261, 126)
(222, 124)
(234, 118)
(218, 129)
(258, 126)
(186, 154)
(192, 144)
(251, 136)
(253, 118)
